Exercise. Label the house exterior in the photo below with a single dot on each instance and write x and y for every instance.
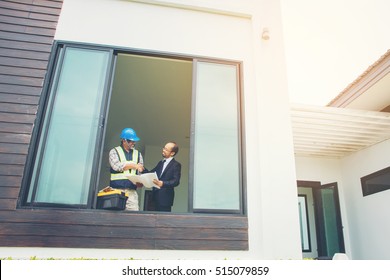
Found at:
(208, 75)
(351, 151)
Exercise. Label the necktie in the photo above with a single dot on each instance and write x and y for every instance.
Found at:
(162, 167)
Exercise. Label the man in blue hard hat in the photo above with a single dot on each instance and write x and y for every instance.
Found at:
(126, 160)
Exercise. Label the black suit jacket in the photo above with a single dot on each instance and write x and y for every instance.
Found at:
(171, 178)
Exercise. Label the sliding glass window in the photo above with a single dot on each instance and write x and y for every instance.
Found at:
(216, 153)
(63, 165)
(95, 92)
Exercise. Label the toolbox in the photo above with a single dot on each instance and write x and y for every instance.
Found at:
(112, 199)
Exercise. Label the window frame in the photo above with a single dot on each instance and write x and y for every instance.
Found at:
(366, 189)
(44, 108)
(304, 220)
(240, 126)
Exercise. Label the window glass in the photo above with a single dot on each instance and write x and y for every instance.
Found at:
(376, 182)
(216, 138)
(63, 173)
(330, 221)
(304, 223)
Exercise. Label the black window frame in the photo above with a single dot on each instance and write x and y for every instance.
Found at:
(368, 189)
(44, 108)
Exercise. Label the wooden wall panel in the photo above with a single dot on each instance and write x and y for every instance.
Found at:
(27, 29)
(7, 204)
(9, 192)
(10, 181)
(122, 230)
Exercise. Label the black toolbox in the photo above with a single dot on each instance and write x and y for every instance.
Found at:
(111, 200)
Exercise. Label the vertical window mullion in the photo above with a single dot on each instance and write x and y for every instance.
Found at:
(95, 175)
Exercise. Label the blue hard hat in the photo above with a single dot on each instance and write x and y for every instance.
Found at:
(129, 134)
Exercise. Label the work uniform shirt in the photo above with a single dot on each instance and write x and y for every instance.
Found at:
(117, 167)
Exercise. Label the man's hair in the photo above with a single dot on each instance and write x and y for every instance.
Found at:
(175, 147)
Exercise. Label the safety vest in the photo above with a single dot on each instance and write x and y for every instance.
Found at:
(122, 158)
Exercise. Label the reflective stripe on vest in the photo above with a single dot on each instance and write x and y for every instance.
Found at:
(122, 158)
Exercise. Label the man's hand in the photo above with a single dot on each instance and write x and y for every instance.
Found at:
(140, 168)
(131, 165)
(158, 183)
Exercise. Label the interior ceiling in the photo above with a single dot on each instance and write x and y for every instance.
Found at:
(336, 132)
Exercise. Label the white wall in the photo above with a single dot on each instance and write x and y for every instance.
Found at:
(227, 30)
(365, 219)
(318, 169)
(368, 216)
(156, 28)
(272, 192)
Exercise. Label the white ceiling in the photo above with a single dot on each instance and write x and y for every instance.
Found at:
(336, 132)
(353, 122)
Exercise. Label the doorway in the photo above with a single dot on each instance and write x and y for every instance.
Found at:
(321, 225)
(152, 95)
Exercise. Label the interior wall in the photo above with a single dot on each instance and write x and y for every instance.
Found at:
(153, 96)
(368, 216)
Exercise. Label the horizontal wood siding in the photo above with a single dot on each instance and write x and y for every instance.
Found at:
(122, 230)
(27, 30)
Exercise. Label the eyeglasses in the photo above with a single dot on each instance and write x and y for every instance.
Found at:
(165, 149)
(129, 141)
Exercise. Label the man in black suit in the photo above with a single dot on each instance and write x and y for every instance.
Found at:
(168, 172)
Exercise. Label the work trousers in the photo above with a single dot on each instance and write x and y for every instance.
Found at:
(132, 200)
